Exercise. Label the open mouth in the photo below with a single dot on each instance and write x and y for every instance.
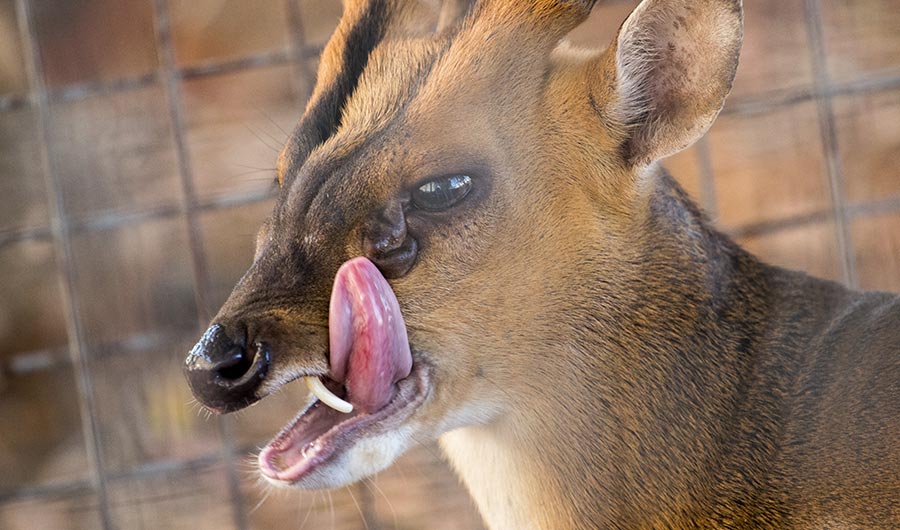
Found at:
(372, 385)
(321, 433)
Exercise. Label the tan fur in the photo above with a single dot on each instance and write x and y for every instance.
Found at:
(603, 357)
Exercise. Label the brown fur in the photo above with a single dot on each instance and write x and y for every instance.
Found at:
(603, 357)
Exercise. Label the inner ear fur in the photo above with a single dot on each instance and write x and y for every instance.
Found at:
(664, 79)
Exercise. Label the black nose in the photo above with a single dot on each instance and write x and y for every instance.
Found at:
(223, 373)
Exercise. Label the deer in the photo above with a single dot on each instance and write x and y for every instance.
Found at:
(474, 243)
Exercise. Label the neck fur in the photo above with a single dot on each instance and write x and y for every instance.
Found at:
(653, 380)
(495, 476)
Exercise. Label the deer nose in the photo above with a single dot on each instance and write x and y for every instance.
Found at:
(223, 373)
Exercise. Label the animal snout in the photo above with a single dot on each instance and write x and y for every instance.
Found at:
(224, 371)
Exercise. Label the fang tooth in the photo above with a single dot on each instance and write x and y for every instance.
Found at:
(315, 385)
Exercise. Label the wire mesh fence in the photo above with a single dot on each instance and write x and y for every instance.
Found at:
(137, 141)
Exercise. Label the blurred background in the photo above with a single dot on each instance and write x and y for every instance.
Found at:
(137, 141)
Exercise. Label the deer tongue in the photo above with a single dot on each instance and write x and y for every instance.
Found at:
(369, 350)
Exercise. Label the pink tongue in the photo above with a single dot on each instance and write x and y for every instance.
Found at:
(367, 336)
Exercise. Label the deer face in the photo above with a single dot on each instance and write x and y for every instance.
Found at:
(443, 200)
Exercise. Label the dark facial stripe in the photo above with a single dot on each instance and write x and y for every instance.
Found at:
(317, 174)
(324, 119)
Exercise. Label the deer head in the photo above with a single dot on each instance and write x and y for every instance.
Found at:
(483, 189)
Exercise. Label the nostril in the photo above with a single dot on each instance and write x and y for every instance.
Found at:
(223, 373)
(234, 364)
(239, 369)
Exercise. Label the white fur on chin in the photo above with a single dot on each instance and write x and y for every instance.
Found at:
(365, 458)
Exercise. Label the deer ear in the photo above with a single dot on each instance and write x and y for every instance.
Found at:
(668, 72)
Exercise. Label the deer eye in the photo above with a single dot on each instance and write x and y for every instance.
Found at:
(442, 193)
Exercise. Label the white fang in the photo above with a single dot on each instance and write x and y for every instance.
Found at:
(314, 384)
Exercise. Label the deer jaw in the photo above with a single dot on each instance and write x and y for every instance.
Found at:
(501, 288)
